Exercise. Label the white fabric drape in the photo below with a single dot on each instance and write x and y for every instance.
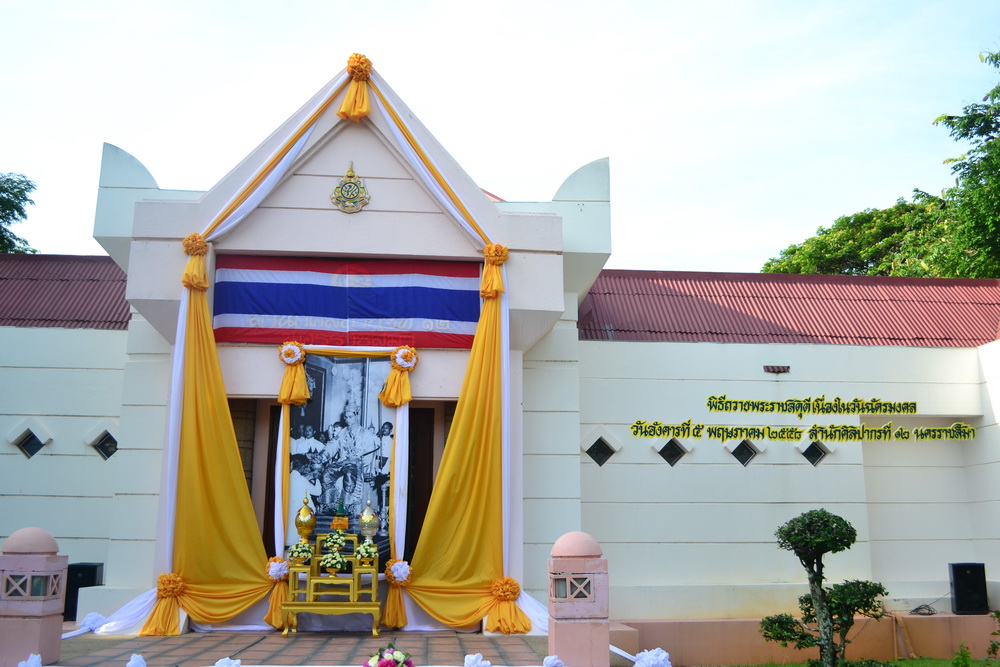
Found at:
(129, 616)
(262, 191)
(505, 418)
(280, 515)
(164, 553)
(399, 483)
(417, 164)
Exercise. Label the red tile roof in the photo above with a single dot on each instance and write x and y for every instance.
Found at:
(68, 291)
(782, 308)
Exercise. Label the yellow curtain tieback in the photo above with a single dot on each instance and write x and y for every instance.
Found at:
(195, 244)
(505, 589)
(359, 67)
(292, 353)
(495, 254)
(169, 585)
(404, 358)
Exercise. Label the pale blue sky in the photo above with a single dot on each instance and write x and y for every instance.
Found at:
(734, 128)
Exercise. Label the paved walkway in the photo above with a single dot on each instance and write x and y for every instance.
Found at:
(304, 648)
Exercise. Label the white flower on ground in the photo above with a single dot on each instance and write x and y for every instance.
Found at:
(227, 662)
(655, 658)
(92, 621)
(552, 661)
(476, 660)
(34, 660)
(136, 661)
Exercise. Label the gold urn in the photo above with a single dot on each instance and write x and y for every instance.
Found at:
(305, 520)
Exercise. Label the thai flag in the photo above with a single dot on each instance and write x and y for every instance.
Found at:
(352, 302)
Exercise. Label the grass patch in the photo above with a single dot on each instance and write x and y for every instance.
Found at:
(911, 662)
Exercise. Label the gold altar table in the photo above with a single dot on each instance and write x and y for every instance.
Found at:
(312, 590)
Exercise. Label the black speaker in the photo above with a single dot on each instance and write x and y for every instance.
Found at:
(968, 588)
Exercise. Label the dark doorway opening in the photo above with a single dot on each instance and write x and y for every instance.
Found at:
(421, 474)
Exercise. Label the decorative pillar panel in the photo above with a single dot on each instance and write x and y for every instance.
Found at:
(579, 630)
(32, 596)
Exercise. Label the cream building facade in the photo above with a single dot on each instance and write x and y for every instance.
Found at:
(689, 540)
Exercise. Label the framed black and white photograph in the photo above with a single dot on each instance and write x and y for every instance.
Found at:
(341, 444)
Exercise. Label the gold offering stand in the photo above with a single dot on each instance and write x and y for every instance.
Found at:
(316, 591)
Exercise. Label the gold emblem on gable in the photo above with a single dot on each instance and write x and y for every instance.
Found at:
(350, 195)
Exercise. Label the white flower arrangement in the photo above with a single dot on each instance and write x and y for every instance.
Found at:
(333, 560)
(405, 357)
(334, 540)
(92, 622)
(300, 550)
(291, 353)
(366, 550)
(400, 571)
(277, 571)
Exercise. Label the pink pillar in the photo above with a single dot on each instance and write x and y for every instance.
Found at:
(579, 631)
(32, 595)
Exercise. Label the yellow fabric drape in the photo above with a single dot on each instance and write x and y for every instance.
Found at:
(397, 389)
(294, 388)
(460, 551)
(217, 546)
(279, 594)
(356, 104)
(295, 391)
(395, 611)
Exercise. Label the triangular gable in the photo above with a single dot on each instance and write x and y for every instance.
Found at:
(305, 153)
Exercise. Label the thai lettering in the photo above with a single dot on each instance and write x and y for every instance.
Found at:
(815, 406)
(641, 429)
(957, 431)
(825, 433)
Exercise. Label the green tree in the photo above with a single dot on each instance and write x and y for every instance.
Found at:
(956, 235)
(15, 191)
(827, 613)
(914, 238)
(977, 191)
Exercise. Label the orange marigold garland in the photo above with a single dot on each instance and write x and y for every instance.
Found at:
(505, 589)
(495, 254)
(359, 67)
(292, 353)
(195, 244)
(169, 585)
(404, 358)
